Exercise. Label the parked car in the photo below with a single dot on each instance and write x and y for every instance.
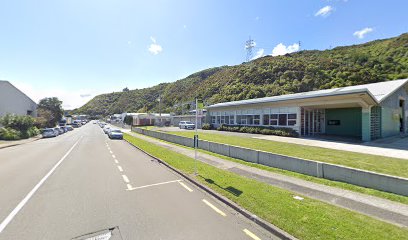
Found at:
(69, 127)
(49, 132)
(115, 134)
(106, 129)
(75, 125)
(56, 130)
(186, 125)
(60, 130)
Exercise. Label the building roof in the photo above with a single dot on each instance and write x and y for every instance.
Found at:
(4, 82)
(378, 91)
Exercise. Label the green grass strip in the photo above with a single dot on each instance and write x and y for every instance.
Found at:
(380, 164)
(306, 219)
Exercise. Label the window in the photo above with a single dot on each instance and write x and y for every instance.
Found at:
(283, 119)
(218, 119)
(226, 120)
(265, 119)
(222, 119)
(274, 120)
(231, 119)
(256, 120)
(213, 119)
(292, 119)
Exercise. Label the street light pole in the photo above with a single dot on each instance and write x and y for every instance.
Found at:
(196, 139)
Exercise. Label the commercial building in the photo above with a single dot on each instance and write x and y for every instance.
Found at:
(150, 119)
(191, 116)
(367, 112)
(14, 101)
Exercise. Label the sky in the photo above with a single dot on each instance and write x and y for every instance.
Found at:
(76, 49)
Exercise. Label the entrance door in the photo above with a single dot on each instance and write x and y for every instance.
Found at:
(312, 121)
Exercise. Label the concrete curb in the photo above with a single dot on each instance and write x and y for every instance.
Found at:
(17, 143)
(262, 223)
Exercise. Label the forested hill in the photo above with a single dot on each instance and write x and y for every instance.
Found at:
(302, 71)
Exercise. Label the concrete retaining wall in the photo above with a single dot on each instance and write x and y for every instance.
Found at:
(313, 168)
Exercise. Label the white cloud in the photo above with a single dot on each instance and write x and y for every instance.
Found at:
(184, 26)
(361, 34)
(129, 42)
(259, 53)
(70, 99)
(281, 49)
(324, 11)
(154, 48)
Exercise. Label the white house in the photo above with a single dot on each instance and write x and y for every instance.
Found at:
(14, 101)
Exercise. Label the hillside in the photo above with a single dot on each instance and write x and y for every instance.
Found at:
(302, 71)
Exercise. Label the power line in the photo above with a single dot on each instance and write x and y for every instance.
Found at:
(249, 45)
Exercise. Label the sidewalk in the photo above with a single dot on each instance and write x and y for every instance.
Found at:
(389, 211)
(4, 144)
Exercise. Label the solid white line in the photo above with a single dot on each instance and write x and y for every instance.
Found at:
(129, 187)
(10, 217)
(186, 187)
(125, 178)
(249, 233)
(151, 185)
(214, 208)
(120, 169)
(116, 161)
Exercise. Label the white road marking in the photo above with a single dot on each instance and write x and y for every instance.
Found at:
(120, 169)
(113, 156)
(186, 187)
(155, 184)
(249, 233)
(116, 161)
(129, 187)
(214, 208)
(13, 213)
(125, 178)
(110, 151)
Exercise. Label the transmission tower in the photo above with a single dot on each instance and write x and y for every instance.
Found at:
(249, 45)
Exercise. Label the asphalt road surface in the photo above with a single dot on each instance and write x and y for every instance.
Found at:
(82, 182)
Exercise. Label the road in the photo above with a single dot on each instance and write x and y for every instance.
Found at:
(82, 182)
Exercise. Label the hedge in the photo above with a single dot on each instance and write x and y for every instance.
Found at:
(278, 131)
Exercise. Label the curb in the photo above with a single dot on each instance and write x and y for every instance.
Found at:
(16, 144)
(262, 223)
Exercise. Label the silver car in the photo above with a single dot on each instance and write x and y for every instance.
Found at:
(49, 132)
(186, 125)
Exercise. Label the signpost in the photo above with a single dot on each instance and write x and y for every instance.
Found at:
(199, 105)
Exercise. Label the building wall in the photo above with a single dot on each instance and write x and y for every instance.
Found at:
(14, 101)
(350, 122)
(390, 122)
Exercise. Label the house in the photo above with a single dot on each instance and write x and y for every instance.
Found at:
(14, 101)
(150, 119)
(367, 112)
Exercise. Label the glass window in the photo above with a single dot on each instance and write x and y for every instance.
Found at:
(291, 122)
(222, 119)
(266, 119)
(257, 119)
(231, 120)
(292, 119)
(218, 119)
(274, 120)
(213, 119)
(250, 119)
(226, 119)
(283, 119)
(292, 116)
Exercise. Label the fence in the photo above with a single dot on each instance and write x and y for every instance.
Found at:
(353, 176)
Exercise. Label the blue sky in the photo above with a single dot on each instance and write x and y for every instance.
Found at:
(75, 49)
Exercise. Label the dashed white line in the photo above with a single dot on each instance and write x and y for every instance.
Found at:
(214, 208)
(155, 184)
(116, 161)
(120, 169)
(129, 187)
(125, 178)
(185, 186)
(113, 156)
(13, 213)
(110, 152)
(249, 233)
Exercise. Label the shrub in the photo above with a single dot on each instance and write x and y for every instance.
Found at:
(9, 134)
(206, 126)
(285, 132)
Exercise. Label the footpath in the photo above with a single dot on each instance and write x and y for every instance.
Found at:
(4, 144)
(379, 208)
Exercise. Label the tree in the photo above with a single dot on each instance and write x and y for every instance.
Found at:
(51, 110)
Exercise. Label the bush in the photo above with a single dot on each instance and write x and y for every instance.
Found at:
(17, 127)
(206, 126)
(9, 134)
(285, 132)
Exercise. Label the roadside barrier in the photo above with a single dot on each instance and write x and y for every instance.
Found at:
(378, 181)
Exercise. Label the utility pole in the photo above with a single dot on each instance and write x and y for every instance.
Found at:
(249, 45)
(159, 99)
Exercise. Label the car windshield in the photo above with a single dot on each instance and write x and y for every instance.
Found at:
(116, 131)
(189, 123)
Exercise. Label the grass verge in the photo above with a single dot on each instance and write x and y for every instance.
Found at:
(306, 219)
(327, 182)
(380, 164)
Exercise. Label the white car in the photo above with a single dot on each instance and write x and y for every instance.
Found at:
(186, 125)
(106, 129)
